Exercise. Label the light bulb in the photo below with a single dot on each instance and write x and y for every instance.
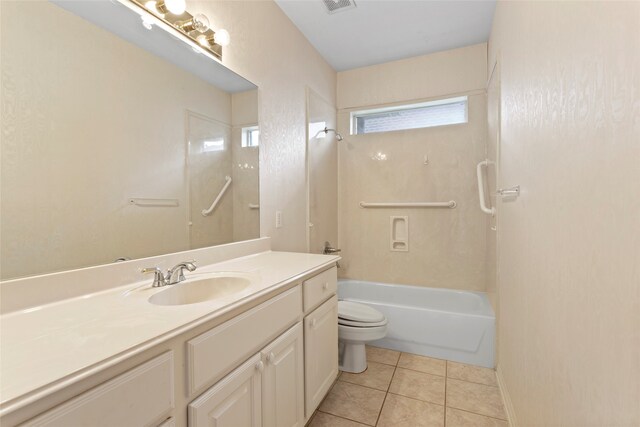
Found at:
(222, 37)
(177, 7)
(152, 6)
(199, 23)
(203, 41)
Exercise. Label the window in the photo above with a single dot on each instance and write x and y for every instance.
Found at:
(427, 114)
(250, 136)
(216, 144)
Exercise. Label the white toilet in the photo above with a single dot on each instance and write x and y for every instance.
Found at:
(357, 325)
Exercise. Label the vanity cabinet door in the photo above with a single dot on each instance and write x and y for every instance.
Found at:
(320, 352)
(235, 401)
(283, 380)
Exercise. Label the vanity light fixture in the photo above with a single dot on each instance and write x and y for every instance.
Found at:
(220, 38)
(176, 7)
(195, 27)
(199, 23)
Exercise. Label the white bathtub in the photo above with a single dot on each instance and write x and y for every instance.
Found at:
(441, 323)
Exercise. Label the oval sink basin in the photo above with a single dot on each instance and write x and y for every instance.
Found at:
(200, 289)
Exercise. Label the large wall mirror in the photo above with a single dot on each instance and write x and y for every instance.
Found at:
(116, 140)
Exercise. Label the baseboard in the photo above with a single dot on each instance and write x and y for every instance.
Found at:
(506, 399)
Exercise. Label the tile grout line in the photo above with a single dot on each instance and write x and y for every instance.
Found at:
(385, 396)
(344, 418)
(446, 380)
(418, 400)
(423, 372)
(473, 382)
(475, 413)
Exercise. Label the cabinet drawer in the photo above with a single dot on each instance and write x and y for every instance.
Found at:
(214, 353)
(319, 288)
(142, 396)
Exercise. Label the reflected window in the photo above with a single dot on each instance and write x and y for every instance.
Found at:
(250, 136)
(216, 144)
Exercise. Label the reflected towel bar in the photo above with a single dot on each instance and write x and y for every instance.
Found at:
(450, 204)
(154, 203)
(207, 212)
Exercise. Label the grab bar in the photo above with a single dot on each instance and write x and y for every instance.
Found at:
(207, 212)
(450, 204)
(490, 211)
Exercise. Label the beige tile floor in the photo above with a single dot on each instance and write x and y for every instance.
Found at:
(406, 390)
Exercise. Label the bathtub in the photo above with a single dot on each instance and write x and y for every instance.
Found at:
(446, 324)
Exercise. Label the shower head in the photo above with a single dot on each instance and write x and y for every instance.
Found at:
(326, 131)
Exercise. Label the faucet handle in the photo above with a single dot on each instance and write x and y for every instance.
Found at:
(328, 249)
(158, 278)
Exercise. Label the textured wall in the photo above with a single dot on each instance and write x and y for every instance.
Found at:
(428, 76)
(446, 246)
(269, 50)
(569, 247)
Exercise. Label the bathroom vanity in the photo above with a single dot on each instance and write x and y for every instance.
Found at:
(260, 353)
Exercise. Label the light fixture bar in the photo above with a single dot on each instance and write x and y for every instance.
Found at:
(187, 24)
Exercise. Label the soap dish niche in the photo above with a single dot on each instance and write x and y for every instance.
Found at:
(399, 233)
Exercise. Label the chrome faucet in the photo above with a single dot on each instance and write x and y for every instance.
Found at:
(176, 274)
(173, 276)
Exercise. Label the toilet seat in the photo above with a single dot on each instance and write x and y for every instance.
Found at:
(359, 314)
(354, 324)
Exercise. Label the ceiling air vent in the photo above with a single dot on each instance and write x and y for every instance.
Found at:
(334, 6)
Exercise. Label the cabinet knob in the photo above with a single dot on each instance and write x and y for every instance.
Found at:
(271, 357)
(260, 366)
(325, 286)
(314, 322)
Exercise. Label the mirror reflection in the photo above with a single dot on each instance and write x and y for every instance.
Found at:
(113, 151)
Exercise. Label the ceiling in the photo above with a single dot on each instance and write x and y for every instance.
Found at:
(378, 31)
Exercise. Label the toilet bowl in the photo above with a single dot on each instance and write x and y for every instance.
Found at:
(357, 325)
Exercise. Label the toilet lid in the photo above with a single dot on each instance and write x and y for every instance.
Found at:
(355, 312)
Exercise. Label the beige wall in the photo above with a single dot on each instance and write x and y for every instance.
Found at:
(428, 76)
(446, 246)
(569, 247)
(269, 50)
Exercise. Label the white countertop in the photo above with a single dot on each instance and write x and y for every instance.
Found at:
(56, 343)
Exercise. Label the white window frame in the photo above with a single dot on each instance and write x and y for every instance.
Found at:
(247, 140)
(403, 107)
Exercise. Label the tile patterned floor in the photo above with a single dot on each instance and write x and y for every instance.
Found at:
(406, 390)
